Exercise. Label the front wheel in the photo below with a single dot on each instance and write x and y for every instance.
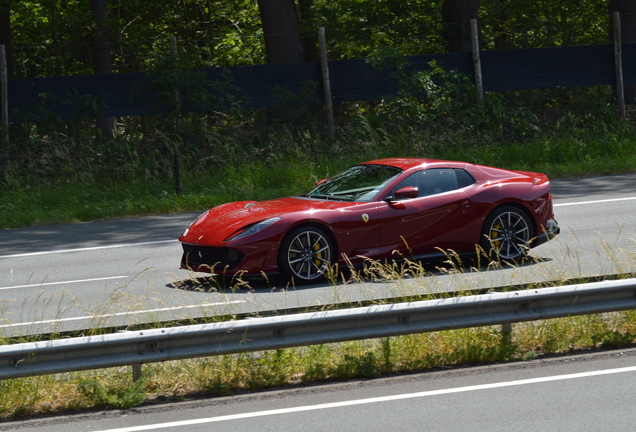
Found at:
(305, 254)
(507, 234)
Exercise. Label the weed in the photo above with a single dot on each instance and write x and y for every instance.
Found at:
(112, 398)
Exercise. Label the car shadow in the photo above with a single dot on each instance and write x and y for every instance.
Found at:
(234, 285)
(440, 267)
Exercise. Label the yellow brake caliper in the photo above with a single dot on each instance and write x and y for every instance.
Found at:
(494, 235)
(318, 255)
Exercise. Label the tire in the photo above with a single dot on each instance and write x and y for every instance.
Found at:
(305, 255)
(506, 234)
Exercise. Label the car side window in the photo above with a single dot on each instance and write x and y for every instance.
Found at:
(464, 179)
(431, 181)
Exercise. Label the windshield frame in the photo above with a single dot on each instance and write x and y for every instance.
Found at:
(359, 183)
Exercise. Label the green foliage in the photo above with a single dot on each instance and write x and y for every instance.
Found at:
(52, 38)
(446, 100)
(113, 398)
(356, 28)
(357, 366)
(175, 85)
(51, 31)
(508, 24)
(616, 339)
(294, 104)
(62, 175)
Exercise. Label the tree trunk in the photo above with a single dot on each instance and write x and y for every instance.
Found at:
(283, 43)
(310, 44)
(101, 58)
(627, 9)
(456, 16)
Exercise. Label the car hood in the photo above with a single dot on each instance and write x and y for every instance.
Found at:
(221, 222)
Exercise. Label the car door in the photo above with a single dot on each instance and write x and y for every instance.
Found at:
(440, 217)
(356, 228)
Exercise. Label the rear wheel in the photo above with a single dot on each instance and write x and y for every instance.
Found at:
(506, 234)
(305, 254)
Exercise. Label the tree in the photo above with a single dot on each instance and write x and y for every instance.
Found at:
(627, 10)
(356, 29)
(518, 24)
(456, 16)
(283, 43)
(102, 64)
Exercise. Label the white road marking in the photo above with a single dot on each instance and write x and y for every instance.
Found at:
(370, 400)
(594, 202)
(63, 282)
(58, 320)
(175, 240)
(88, 248)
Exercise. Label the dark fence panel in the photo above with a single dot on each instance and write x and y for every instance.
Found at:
(544, 68)
(629, 63)
(258, 84)
(74, 96)
(265, 86)
(356, 80)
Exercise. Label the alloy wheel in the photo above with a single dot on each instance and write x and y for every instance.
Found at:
(309, 255)
(509, 234)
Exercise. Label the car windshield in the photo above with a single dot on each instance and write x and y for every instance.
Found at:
(358, 183)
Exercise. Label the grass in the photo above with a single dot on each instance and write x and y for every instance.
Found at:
(54, 178)
(64, 202)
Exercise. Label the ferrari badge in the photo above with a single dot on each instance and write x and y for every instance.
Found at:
(365, 217)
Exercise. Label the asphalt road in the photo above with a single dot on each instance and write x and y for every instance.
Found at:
(593, 392)
(123, 272)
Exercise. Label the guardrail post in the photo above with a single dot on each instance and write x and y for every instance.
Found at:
(136, 372)
(506, 334)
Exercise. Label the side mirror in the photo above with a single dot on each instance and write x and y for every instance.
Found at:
(407, 192)
(319, 182)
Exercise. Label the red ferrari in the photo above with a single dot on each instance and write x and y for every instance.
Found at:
(381, 210)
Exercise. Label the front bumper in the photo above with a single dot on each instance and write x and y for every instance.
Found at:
(208, 259)
(550, 231)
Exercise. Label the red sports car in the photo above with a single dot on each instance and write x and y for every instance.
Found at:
(382, 210)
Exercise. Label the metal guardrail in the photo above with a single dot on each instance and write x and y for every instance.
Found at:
(256, 334)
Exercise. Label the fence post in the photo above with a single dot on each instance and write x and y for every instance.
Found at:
(324, 67)
(5, 104)
(474, 37)
(177, 174)
(618, 65)
(177, 99)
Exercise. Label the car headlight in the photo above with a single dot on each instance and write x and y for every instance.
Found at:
(257, 227)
